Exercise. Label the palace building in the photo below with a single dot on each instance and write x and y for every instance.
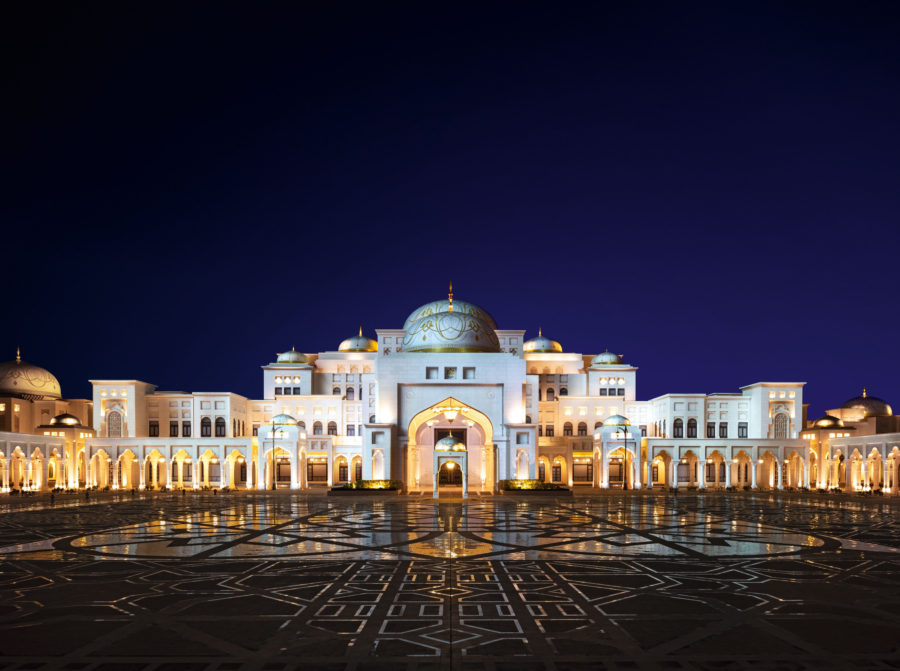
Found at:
(447, 401)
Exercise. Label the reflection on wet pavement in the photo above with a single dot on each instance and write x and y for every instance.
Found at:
(412, 529)
(626, 582)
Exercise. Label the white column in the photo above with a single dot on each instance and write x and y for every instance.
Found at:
(754, 466)
(701, 474)
(779, 468)
(673, 480)
(465, 477)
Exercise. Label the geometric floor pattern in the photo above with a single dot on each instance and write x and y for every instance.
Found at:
(496, 584)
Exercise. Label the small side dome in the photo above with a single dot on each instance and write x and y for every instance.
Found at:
(358, 343)
(826, 421)
(541, 345)
(449, 444)
(293, 356)
(616, 420)
(65, 419)
(607, 358)
(867, 406)
(283, 420)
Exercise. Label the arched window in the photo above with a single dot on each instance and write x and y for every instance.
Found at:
(114, 424)
(678, 428)
(332, 429)
(371, 419)
(351, 394)
(551, 394)
(582, 429)
(598, 425)
(528, 419)
(692, 428)
(205, 427)
(302, 425)
(317, 429)
(563, 391)
(336, 391)
(567, 429)
(781, 425)
(220, 427)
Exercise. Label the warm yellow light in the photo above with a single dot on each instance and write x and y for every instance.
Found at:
(451, 464)
(451, 414)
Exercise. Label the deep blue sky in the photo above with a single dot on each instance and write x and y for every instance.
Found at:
(711, 189)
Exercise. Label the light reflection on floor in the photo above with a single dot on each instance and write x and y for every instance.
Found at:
(410, 529)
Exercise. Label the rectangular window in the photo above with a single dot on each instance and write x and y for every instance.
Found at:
(620, 392)
(723, 430)
(556, 472)
(287, 391)
(154, 429)
(342, 472)
(643, 428)
(603, 392)
(710, 472)
(450, 373)
(205, 428)
(469, 373)
(351, 430)
(548, 431)
(431, 373)
(742, 430)
(296, 391)
(542, 472)
(173, 429)
(278, 391)
(357, 471)
(711, 430)
(220, 429)
(186, 429)
(256, 429)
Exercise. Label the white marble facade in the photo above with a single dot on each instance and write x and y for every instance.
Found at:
(495, 405)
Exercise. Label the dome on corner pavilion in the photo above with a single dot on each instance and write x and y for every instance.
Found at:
(606, 358)
(292, 356)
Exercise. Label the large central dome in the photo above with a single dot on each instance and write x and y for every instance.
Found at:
(450, 326)
(460, 307)
(25, 380)
(450, 332)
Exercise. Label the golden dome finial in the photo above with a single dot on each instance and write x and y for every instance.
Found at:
(18, 355)
(864, 392)
(360, 331)
(450, 297)
(540, 335)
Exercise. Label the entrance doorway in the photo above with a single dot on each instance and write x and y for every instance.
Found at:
(450, 475)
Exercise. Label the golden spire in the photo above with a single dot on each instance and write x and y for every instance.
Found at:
(864, 392)
(360, 331)
(450, 296)
(18, 355)
(539, 332)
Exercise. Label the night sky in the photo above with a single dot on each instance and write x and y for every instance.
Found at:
(711, 189)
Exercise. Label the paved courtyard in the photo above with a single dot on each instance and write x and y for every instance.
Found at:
(618, 581)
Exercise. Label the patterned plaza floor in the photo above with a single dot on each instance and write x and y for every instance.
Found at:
(627, 581)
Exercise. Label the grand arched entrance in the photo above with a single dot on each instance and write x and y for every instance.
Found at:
(450, 447)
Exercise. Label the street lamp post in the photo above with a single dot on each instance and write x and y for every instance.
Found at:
(274, 485)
